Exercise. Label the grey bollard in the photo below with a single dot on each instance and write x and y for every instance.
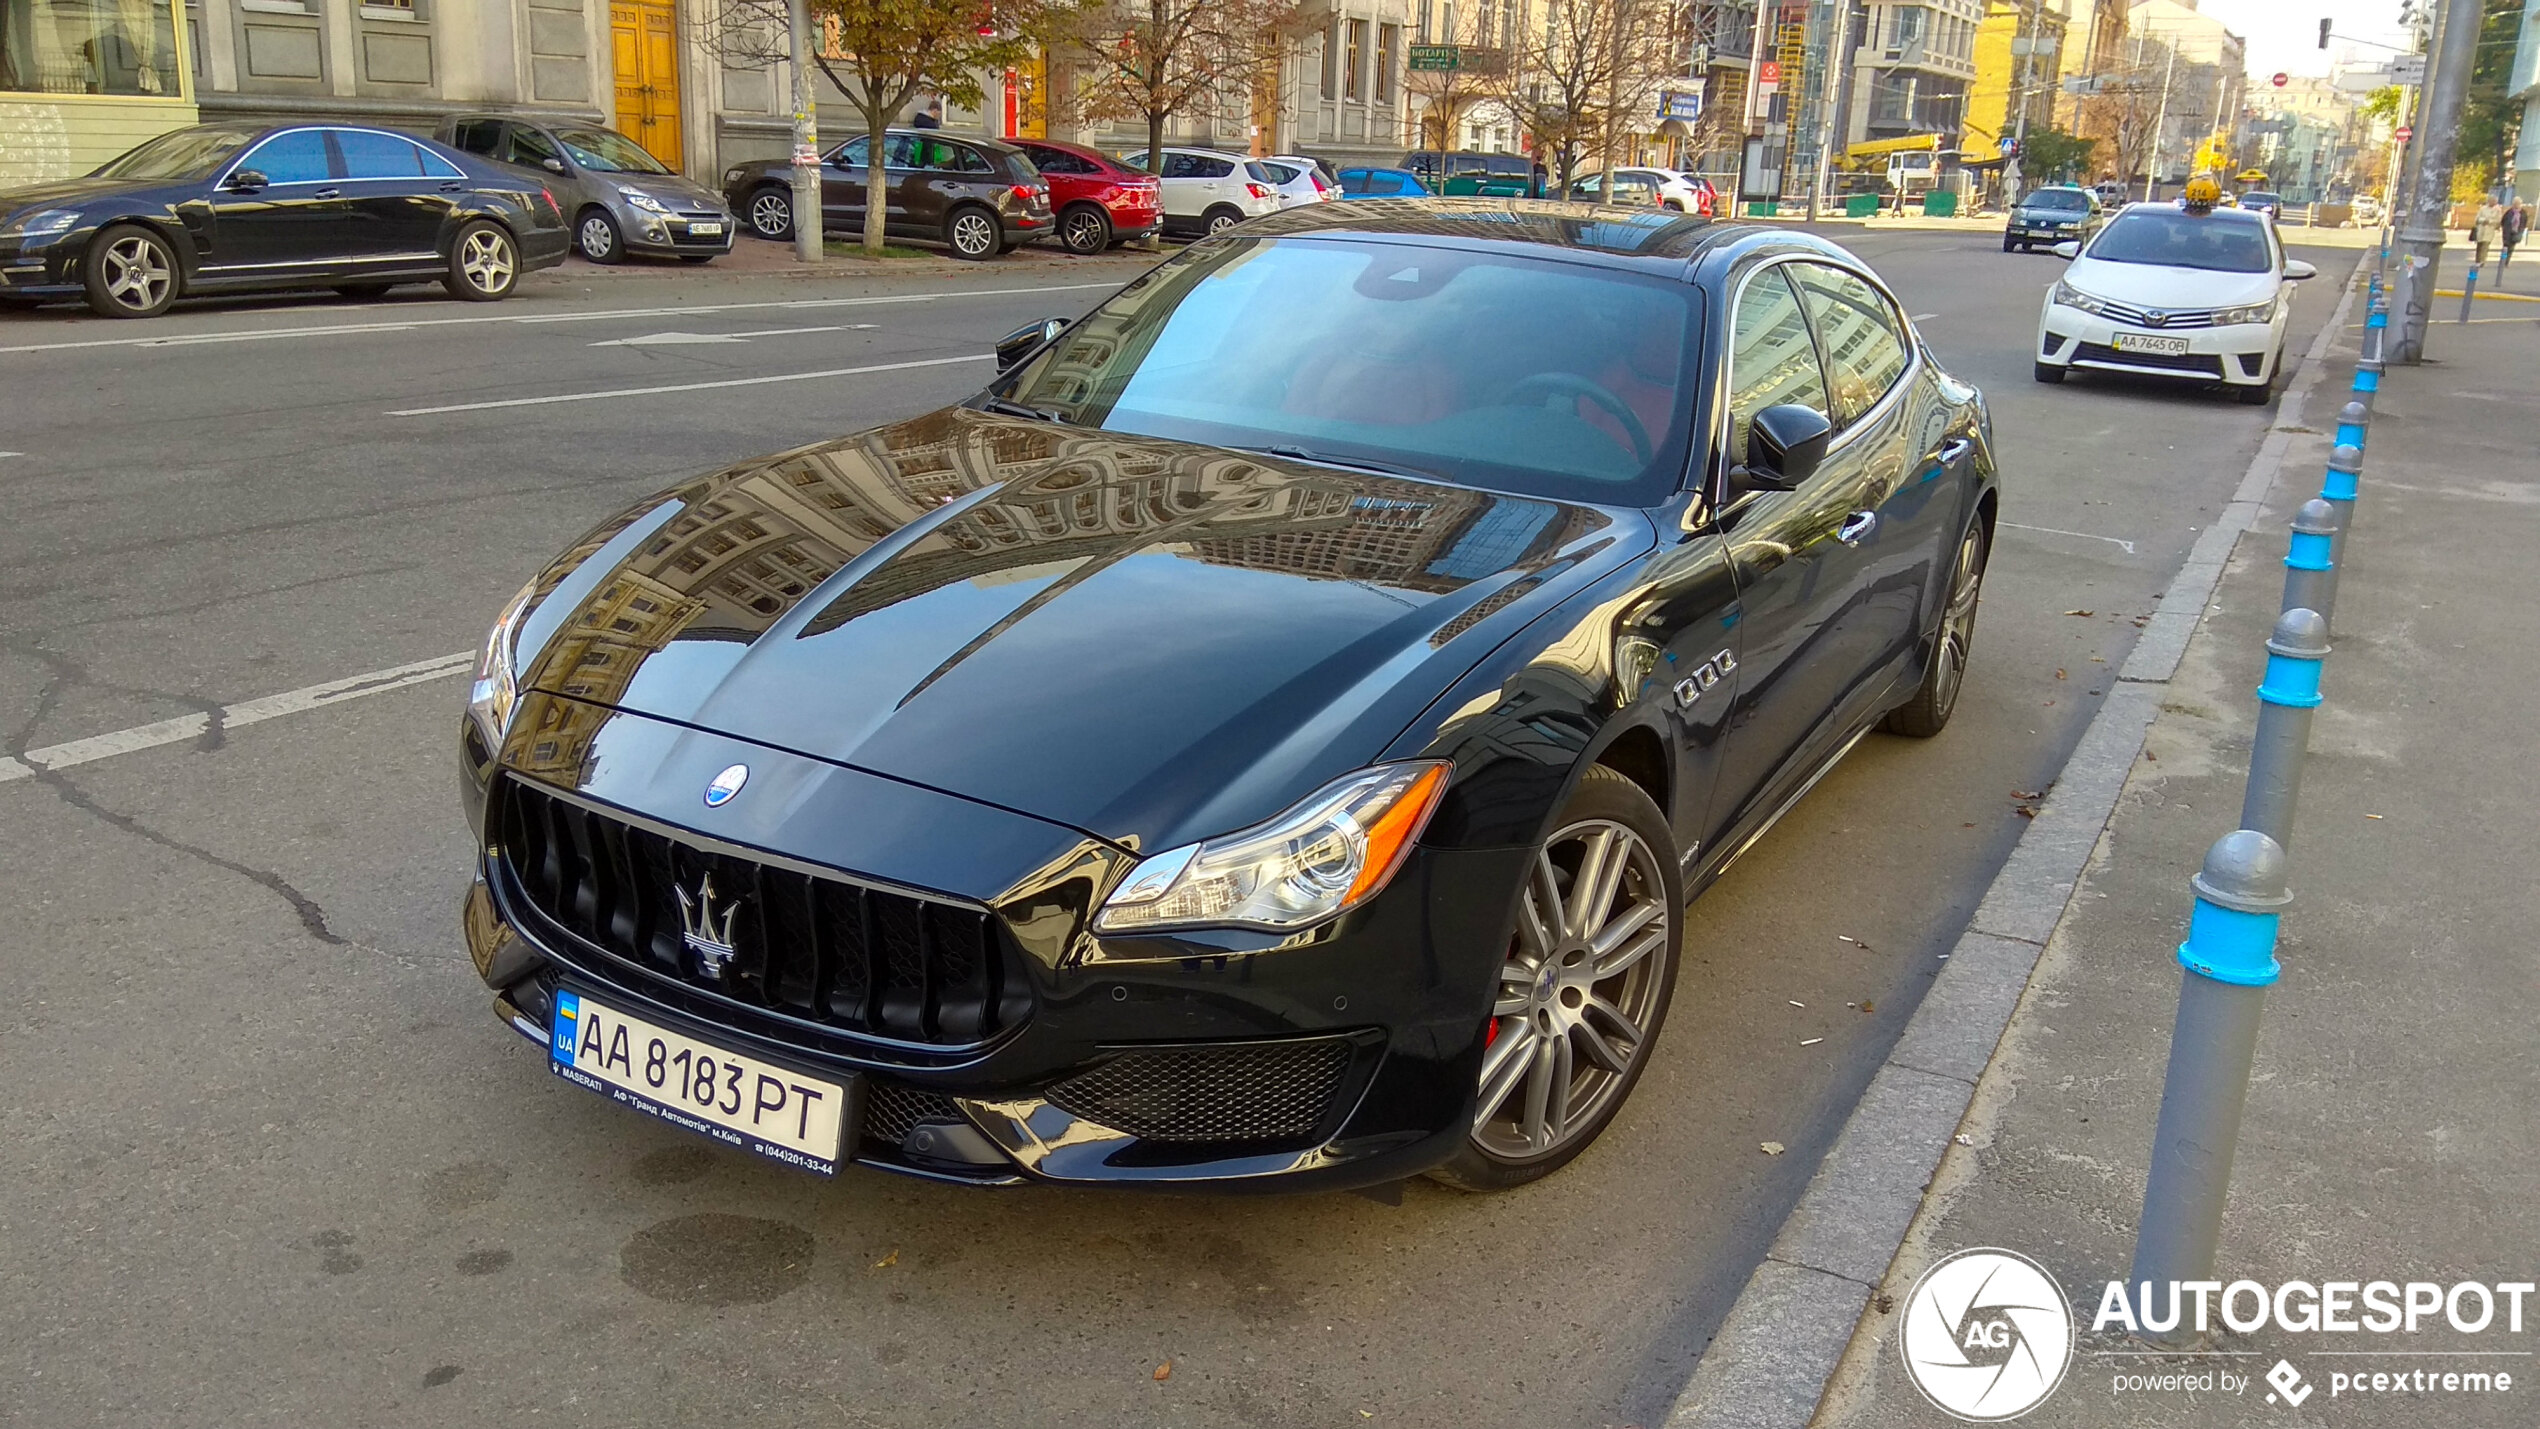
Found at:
(2229, 961)
(2311, 562)
(2340, 488)
(2286, 698)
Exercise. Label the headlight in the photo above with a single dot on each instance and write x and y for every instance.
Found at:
(49, 223)
(2252, 313)
(2069, 296)
(731, 176)
(1331, 852)
(643, 200)
(497, 688)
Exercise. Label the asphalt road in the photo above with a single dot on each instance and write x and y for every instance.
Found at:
(270, 1161)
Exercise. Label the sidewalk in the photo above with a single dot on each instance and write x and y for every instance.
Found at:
(2393, 1126)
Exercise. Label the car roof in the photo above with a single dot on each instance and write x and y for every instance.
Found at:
(1646, 240)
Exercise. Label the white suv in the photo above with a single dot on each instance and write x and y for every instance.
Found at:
(1299, 181)
(1209, 192)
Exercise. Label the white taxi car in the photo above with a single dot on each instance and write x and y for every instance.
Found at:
(2166, 291)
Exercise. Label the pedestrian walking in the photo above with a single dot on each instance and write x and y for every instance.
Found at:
(2517, 221)
(2486, 228)
(930, 117)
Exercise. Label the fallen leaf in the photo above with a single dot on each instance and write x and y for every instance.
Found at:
(2148, 754)
(1164, 1370)
(1774, 1148)
(1810, 1041)
(2026, 812)
(887, 1261)
(2081, 612)
(2059, 674)
(1868, 1006)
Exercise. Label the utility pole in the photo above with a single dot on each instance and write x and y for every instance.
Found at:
(2024, 40)
(1830, 109)
(806, 138)
(2430, 198)
(2160, 116)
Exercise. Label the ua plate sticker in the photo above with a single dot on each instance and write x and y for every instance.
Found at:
(738, 1100)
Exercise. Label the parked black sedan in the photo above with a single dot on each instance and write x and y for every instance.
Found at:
(1268, 737)
(230, 207)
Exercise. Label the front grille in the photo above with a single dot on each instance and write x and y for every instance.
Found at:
(892, 1111)
(2203, 364)
(837, 953)
(1250, 1091)
(2141, 317)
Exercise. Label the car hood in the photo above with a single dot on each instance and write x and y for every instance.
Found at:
(2147, 285)
(62, 193)
(669, 190)
(1146, 640)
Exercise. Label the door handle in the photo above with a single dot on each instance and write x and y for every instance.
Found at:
(328, 193)
(1856, 526)
(453, 188)
(1955, 448)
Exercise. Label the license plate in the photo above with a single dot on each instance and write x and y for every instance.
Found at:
(706, 230)
(737, 1099)
(2147, 342)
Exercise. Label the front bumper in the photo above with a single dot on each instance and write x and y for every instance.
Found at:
(2241, 355)
(2039, 232)
(42, 270)
(1344, 1056)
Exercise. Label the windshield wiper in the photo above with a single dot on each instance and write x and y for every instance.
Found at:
(1297, 453)
(1010, 408)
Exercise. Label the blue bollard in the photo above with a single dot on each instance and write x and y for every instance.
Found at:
(2312, 560)
(2240, 894)
(2345, 473)
(2350, 425)
(2376, 333)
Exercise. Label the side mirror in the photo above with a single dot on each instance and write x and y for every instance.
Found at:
(2295, 270)
(2068, 249)
(1024, 341)
(246, 181)
(1784, 445)
(552, 165)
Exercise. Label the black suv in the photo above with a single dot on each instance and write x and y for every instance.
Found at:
(977, 197)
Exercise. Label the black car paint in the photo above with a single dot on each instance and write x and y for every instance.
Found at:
(1002, 658)
(339, 232)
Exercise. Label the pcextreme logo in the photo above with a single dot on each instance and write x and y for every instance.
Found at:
(1988, 1335)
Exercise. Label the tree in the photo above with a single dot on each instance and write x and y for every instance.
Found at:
(1573, 81)
(880, 54)
(2053, 155)
(1154, 59)
(1478, 31)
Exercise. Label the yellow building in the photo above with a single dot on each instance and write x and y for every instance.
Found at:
(83, 80)
(2018, 56)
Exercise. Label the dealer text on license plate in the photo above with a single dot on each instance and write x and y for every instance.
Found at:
(736, 1099)
(2147, 342)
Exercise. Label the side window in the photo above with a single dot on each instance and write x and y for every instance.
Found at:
(1212, 168)
(851, 154)
(532, 147)
(1353, 181)
(900, 151)
(1771, 359)
(371, 155)
(1181, 166)
(298, 157)
(436, 167)
(1279, 173)
(960, 159)
(1384, 183)
(478, 136)
(1865, 346)
(1590, 186)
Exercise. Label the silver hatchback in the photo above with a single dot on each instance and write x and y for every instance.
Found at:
(617, 198)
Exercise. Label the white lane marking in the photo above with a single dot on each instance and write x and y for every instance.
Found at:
(5, 455)
(246, 712)
(531, 319)
(686, 339)
(684, 386)
(1925, 317)
(2084, 535)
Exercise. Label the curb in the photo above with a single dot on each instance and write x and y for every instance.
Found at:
(1782, 1340)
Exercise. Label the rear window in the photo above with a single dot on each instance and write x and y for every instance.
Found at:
(1260, 174)
(2072, 199)
(2175, 238)
(1279, 173)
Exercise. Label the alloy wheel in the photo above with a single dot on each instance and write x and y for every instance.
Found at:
(1958, 622)
(772, 215)
(485, 259)
(1581, 984)
(973, 234)
(137, 273)
(1083, 232)
(1220, 222)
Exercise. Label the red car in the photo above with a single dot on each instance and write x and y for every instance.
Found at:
(1099, 201)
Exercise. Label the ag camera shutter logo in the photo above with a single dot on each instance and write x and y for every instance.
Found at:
(1988, 1335)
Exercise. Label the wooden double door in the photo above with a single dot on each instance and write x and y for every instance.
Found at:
(644, 37)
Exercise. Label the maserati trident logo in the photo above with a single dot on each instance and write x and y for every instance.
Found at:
(703, 931)
(721, 788)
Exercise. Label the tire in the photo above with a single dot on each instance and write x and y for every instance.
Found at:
(1562, 1021)
(484, 263)
(2008, 246)
(771, 214)
(971, 232)
(2048, 372)
(131, 272)
(1217, 220)
(1927, 711)
(362, 292)
(1084, 229)
(595, 236)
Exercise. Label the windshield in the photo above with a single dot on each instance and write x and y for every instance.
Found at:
(2073, 199)
(2259, 196)
(179, 155)
(1395, 356)
(2174, 238)
(608, 151)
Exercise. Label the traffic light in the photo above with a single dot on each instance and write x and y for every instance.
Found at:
(2324, 23)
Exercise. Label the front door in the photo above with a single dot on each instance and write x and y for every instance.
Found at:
(399, 197)
(644, 44)
(294, 220)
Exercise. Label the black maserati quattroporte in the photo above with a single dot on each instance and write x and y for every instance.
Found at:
(1267, 738)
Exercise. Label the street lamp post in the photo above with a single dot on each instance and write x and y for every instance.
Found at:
(2430, 195)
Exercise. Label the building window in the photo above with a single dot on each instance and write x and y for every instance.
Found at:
(1331, 61)
(88, 47)
(1386, 42)
(1425, 7)
(1355, 77)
